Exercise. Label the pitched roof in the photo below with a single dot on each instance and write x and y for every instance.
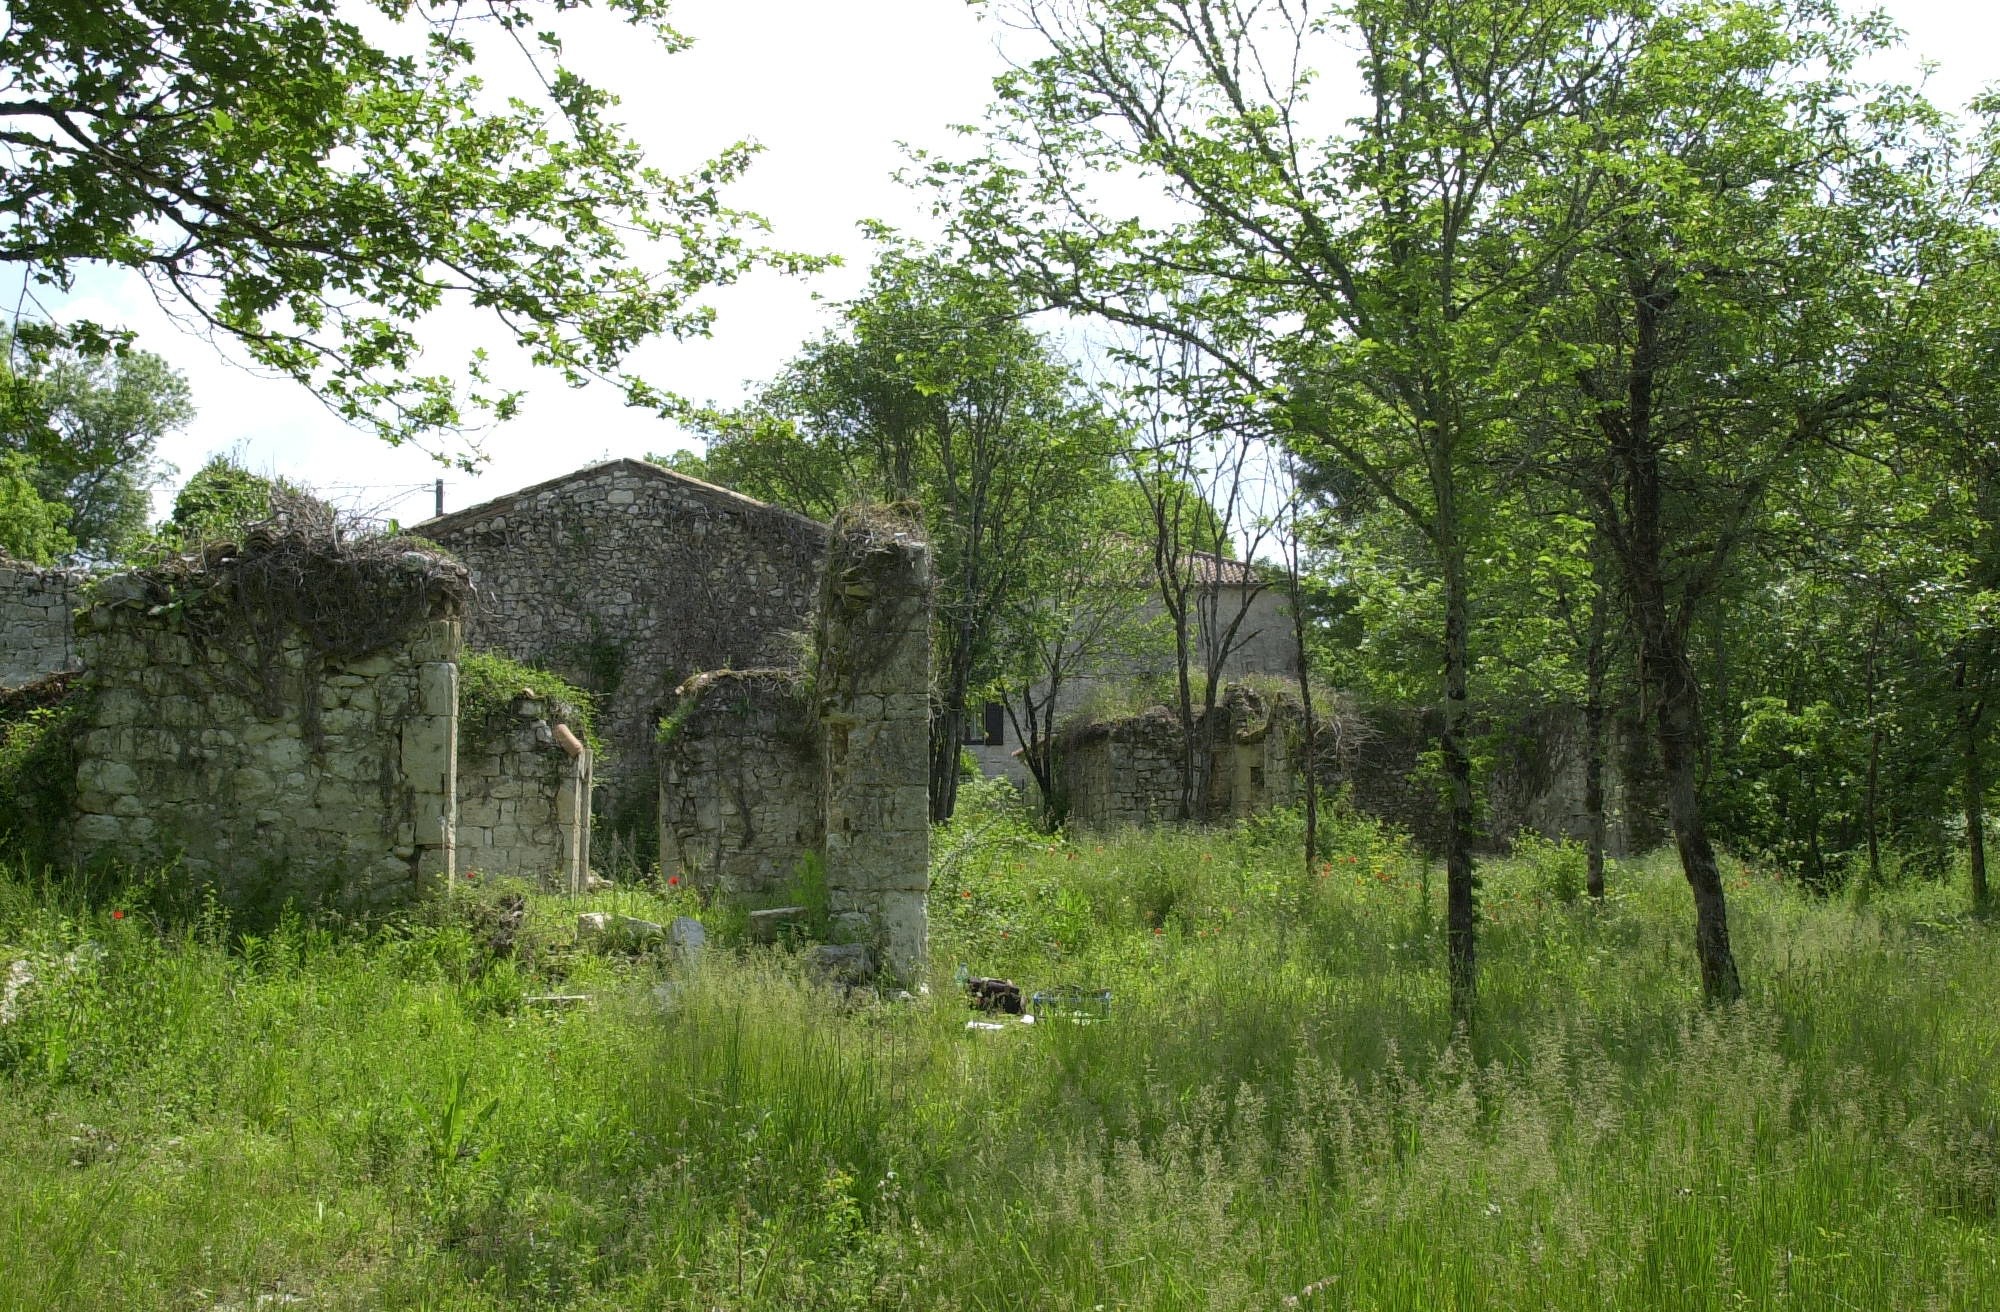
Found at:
(714, 492)
(1213, 569)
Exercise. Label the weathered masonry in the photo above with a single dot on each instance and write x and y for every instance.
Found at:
(524, 782)
(626, 578)
(1127, 772)
(35, 631)
(762, 771)
(281, 722)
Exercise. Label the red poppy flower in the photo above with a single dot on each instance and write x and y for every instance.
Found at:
(673, 881)
(118, 915)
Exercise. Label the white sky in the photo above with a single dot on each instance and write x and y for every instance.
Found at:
(828, 89)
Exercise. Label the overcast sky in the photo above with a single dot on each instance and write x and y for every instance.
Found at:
(828, 90)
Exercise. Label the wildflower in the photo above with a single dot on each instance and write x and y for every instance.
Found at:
(118, 915)
(1157, 931)
(965, 892)
(19, 977)
(673, 881)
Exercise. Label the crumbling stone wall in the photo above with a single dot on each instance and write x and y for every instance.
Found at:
(626, 578)
(524, 796)
(760, 768)
(36, 635)
(250, 757)
(1126, 772)
(872, 683)
(1122, 773)
(740, 782)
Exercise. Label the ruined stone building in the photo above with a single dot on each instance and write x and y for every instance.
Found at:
(1225, 593)
(626, 579)
(35, 609)
(283, 718)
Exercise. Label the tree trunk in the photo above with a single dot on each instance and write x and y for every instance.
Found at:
(946, 730)
(1975, 815)
(1310, 747)
(1678, 716)
(1593, 750)
(1461, 884)
(1663, 658)
(948, 727)
(1873, 796)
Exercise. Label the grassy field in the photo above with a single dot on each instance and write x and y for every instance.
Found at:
(1275, 1115)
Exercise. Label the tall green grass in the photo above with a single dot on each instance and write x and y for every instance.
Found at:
(1275, 1115)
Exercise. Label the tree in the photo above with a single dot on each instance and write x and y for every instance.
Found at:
(1733, 313)
(1083, 607)
(87, 422)
(1354, 284)
(31, 528)
(934, 392)
(284, 179)
(1203, 469)
(221, 500)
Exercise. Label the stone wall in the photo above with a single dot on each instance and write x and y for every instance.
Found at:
(740, 801)
(872, 684)
(524, 796)
(247, 757)
(626, 579)
(1126, 772)
(1534, 780)
(36, 634)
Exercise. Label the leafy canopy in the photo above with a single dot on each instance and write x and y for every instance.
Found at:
(283, 177)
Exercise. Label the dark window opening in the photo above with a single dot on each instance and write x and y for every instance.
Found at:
(988, 728)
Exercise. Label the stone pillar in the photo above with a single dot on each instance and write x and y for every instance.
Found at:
(873, 689)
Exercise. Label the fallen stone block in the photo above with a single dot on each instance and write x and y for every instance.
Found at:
(769, 925)
(604, 929)
(842, 963)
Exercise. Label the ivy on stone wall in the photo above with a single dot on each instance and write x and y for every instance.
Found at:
(39, 723)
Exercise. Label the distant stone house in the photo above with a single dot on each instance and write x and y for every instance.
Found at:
(1262, 644)
(626, 578)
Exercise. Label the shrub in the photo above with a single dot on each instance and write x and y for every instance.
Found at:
(488, 683)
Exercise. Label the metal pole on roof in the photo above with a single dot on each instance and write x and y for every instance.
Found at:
(440, 497)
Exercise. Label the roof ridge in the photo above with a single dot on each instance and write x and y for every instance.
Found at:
(451, 519)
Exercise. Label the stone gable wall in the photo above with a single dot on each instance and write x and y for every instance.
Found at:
(346, 793)
(36, 634)
(524, 797)
(740, 801)
(626, 579)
